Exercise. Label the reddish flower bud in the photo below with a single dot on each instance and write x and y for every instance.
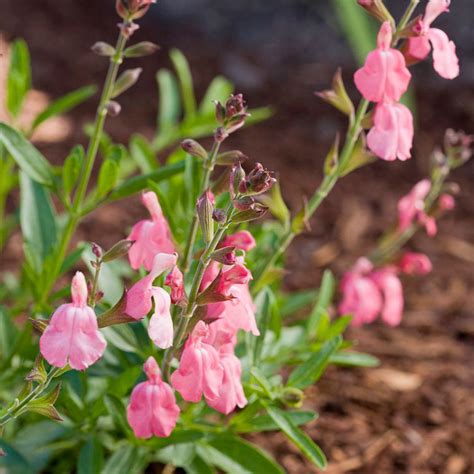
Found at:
(237, 181)
(133, 9)
(96, 250)
(259, 180)
(205, 208)
(175, 281)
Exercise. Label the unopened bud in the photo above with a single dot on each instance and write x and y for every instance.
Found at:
(39, 324)
(377, 9)
(194, 148)
(218, 215)
(237, 180)
(446, 202)
(132, 9)
(126, 80)
(96, 250)
(145, 48)
(255, 211)
(205, 207)
(235, 105)
(120, 249)
(103, 49)
(113, 108)
(259, 180)
(244, 203)
(127, 28)
(220, 134)
(292, 397)
(224, 255)
(231, 158)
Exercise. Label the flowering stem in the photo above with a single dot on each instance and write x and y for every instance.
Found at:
(405, 19)
(188, 311)
(18, 408)
(209, 165)
(75, 212)
(321, 192)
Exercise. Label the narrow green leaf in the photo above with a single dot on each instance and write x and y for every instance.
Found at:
(27, 157)
(8, 333)
(121, 461)
(142, 153)
(310, 371)
(19, 77)
(38, 223)
(236, 456)
(116, 410)
(169, 101)
(354, 359)
(138, 183)
(91, 457)
(183, 71)
(72, 169)
(108, 176)
(266, 423)
(64, 104)
(307, 446)
(199, 466)
(326, 292)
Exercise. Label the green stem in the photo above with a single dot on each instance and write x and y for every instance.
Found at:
(91, 155)
(209, 165)
(188, 311)
(405, 19)
(321, 192)
(17, 410)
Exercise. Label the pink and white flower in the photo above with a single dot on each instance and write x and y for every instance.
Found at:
(152, 409)
(72, 335)
(414, 263)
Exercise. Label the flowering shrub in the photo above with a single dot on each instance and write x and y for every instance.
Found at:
(182, 386)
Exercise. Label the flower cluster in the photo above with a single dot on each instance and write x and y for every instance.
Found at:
(384, 78)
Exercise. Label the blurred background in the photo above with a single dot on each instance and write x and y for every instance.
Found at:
(415, 413)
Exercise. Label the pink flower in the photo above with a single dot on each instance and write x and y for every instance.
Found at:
(242, 240)
(231, 393)
(150, 236)
(200, 372)
(160, 327)
(72, 335)
(384, 75)
(445, 61)
(411, 208)
(175, 281)
(139, 297)
(413, 263)
(361, 296)
(391, 136)
(152, 409)
(391, 288)
(446, 202)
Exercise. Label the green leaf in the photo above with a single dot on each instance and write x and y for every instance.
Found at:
(337, 327)
(219, 89)
(183, 71)
(142, 153)
(116, 410)
(354, 359)
(108, 176)
(8, 333)
(122, 461)
(307, 446)
(311, 370)
(169, 101)
(27, 157)
(64, 104)
(72, 169)
(19, 77)
(326, 292)
(38, 223)
(199, 466)
(266, 423)
(91, 457)
(236, 456)
(13, 462)
(138, 183)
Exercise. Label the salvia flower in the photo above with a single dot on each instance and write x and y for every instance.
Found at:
(150, 236)
(391, 136)
(384, 75)
(411, 208)
(200, 372)
(414, 263)
(152, 409)
(425, 39)
(242, 240)
(140, 300)
(390, 286)
(72, 335)
(175, 281)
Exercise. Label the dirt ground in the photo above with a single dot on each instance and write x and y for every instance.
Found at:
(414, 414)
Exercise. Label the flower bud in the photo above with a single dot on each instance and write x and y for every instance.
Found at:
(113, 108)
(255, 211)
(231, 158)
(377, 9)
(175, 281)
(103, 49)
(337, 96)
(205, 208)
(237, 180)
(218, 215)
(458, 147)
(132, 9)
(224, 255)
(244, 203)
(120, 249)
(231, 116)
(96, 250)
(126, 80)
(259, 180)
(446, 202)
(292, 397)
(194, 148)
(39, 324)
(145, 48)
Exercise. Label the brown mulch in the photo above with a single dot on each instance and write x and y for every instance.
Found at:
(415, 413)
